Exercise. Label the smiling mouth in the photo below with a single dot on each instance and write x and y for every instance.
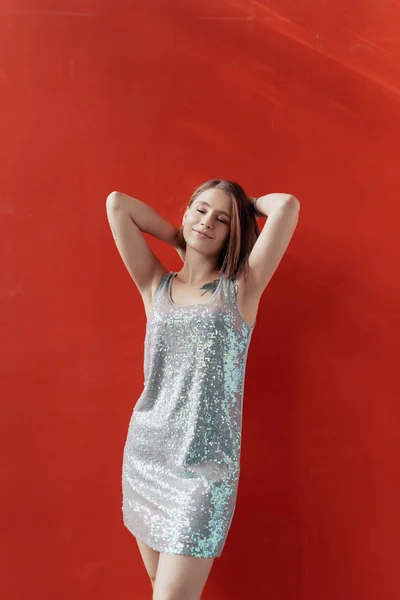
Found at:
(201, 233)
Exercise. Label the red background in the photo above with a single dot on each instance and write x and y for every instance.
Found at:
(152, 98)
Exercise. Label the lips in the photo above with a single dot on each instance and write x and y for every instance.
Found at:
(202, 232)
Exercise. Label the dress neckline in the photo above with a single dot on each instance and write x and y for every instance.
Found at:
(173, 274)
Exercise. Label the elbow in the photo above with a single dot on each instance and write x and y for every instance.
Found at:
(112, 199)
(293, 202)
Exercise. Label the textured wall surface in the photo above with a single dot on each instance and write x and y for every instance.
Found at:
(151, 98)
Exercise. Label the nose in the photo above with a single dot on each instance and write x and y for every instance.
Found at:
(206, 220)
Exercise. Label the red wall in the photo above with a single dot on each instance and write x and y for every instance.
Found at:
(152, 98)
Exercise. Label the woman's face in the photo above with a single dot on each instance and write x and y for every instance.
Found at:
(209, 213)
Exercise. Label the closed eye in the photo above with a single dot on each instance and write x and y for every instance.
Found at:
(202, 211)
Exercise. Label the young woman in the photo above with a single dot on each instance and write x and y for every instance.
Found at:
(181, 458)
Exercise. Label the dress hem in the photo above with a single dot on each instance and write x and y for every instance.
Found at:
(161, 548)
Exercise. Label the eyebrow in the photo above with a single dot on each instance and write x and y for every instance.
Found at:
(220, 211)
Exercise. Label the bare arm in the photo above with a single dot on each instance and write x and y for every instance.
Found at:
(145, 217)
(129, 218)
(282, 211)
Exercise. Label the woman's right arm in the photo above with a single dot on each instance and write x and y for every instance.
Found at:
(128, 218)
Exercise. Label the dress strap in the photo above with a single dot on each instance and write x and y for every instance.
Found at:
(229, 289)
(162, 284)
(230, 296)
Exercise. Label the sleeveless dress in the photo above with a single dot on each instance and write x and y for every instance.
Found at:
(181, 459)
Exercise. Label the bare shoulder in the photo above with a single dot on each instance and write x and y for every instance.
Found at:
(247, 297)
(246, 285)
(149, 292)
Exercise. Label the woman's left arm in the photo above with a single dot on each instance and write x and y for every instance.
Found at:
(270, 202)
(282, 211)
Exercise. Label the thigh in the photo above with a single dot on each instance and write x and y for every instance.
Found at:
(181, 576)
(150, 558)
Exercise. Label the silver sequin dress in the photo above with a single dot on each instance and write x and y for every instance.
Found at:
(181, 459)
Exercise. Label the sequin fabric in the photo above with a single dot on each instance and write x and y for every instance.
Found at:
(181, 460)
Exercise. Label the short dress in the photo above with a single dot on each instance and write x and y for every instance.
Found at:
(181, 459)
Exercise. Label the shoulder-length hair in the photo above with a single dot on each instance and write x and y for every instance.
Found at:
(244, 230)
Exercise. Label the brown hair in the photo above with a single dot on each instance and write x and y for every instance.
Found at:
(244, 230)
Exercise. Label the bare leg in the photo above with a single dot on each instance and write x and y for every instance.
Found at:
(150, 558)
(181, 577)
